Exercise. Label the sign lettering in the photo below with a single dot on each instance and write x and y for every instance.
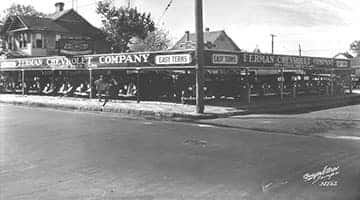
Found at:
(75, 46)
(225, 59)
(212, 58)
(173, 59)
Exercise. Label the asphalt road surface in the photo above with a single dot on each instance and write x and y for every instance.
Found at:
(51, 154)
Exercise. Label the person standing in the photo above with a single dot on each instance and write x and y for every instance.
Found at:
(100, 86)
(113, 87)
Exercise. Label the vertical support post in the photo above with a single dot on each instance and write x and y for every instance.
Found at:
(294, 90)
(23, 82)
(272, 43)
(350, 84)
(199, 53)
(249, 92)
(91, 84)
(247, 86)
(332, 84)
(53, 77)
(138, 85)
(318, 86)
(327, 89)
(282, 84)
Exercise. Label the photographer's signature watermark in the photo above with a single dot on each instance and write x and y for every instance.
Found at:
(324, 178)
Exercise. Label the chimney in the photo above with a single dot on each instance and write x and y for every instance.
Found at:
(207, 29)
(59, 6)
(187, 33)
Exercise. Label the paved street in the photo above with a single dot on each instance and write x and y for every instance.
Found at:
(52, 154)
(338, 122)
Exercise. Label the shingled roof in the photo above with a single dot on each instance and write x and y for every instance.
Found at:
(53, 23)
(209, 36)
(41, 23)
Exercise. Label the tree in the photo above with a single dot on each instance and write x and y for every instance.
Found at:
(157, 40)
(355, 48)
(18, 9)
(120, 25)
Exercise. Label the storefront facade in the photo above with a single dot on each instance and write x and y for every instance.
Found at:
(170, 75)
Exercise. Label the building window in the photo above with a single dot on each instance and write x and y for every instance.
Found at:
(10, 43)
(20, 39)
(26, 39)
(23, 40)
(57, 41)
(38, 40)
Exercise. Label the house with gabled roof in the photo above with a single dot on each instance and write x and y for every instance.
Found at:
(30, 36)
(214, 40)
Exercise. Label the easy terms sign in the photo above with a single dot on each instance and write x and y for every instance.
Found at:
(175, 59)
(247, 59)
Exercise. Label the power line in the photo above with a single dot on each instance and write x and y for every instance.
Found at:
(86, 5)
(165, 10)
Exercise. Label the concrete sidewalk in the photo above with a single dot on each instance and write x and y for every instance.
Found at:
(176, 111)
(145, 109)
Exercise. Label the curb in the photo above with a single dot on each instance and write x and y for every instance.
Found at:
(151, 115)
(286, 108)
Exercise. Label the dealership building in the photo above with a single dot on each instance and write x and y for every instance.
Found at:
(48, 51)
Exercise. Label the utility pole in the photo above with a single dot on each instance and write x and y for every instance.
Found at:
(299, 49)
(199, 54)
(272, 43)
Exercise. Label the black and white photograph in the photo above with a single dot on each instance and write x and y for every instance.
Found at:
(179, 100)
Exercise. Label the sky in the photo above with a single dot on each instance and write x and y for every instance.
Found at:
(321, 27)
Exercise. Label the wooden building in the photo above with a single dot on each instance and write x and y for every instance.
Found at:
(32, 36)
(214, 40)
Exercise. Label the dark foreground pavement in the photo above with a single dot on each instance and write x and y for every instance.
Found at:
(342, 122)
(184, 112)
(49, 154)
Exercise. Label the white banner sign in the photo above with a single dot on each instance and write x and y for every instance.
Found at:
(176, 59)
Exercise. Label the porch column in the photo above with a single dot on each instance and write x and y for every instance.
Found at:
(294, 88)
(53, 77)
(90, 84)
(248, 85)
(249, 92)
(350, 84)
(138, 85)
(23, 82)
(282, 79)
(332, 84)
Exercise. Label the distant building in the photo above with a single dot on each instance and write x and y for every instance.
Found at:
(30, 36)
(215, 40)
(355, 64)
(345, 55)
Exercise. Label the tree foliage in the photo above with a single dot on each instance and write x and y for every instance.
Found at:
(157, 40)
(355, 47)
(18, 9)
(120, 25)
